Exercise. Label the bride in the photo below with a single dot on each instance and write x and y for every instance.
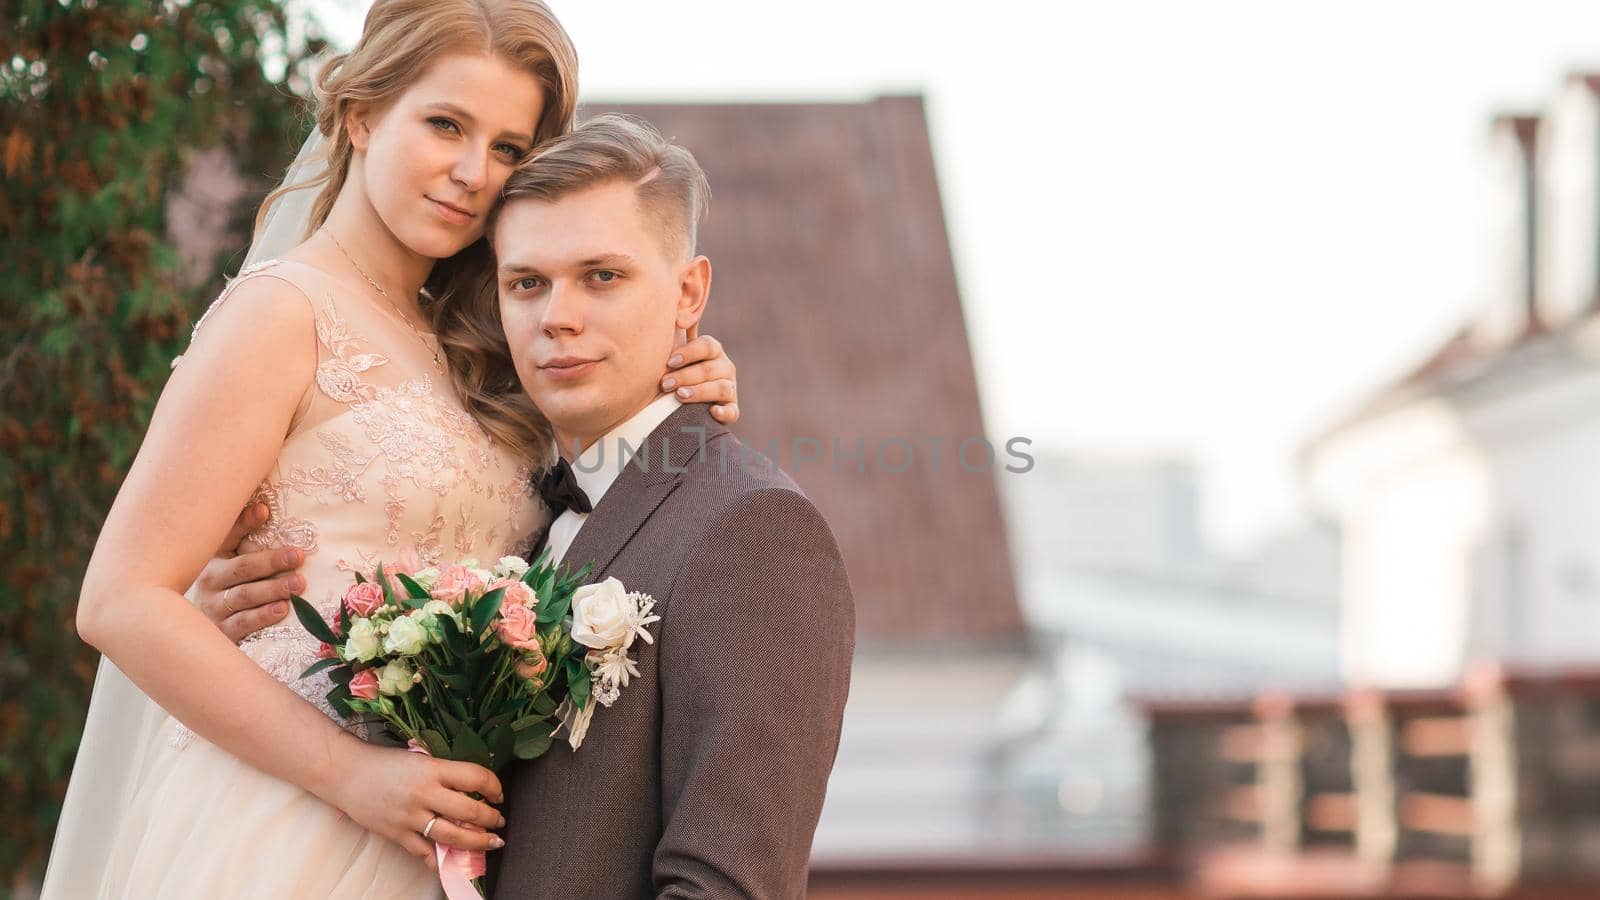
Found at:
(348, 386)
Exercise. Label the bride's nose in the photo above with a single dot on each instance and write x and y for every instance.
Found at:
(471, 170)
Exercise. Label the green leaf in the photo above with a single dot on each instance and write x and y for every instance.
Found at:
(526, 722)
(543, 704)
(416, 590)
(388, 589)
(579, 689)
(553, 610)
(313, 621)
(502, 744)
(533, 742)
(320, 665)
(469, 747)
(483, 612)
(455, 681)
(436, 743)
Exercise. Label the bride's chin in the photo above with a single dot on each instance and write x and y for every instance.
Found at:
(436, 245)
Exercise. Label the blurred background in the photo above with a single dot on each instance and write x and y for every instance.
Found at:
(1206, 397)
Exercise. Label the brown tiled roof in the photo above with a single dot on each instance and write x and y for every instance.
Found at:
(835, 292)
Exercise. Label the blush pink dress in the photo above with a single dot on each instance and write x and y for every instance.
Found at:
(381, 462)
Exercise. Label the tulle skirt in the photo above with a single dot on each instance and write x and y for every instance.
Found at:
(196, 822)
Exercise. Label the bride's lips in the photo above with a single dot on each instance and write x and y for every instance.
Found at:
(567, 368)
(451, 213)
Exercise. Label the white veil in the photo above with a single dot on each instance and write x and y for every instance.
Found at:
(120, 734)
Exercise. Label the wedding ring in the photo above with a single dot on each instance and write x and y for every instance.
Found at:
(226, 603)
(427, 830)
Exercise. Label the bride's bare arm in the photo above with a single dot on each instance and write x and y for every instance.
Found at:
(216, 432)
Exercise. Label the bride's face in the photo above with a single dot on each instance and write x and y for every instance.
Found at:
(432, 163)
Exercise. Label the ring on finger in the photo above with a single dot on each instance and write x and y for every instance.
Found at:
(226, 603)
(427, 830)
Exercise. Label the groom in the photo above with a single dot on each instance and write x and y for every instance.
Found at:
(706, 777)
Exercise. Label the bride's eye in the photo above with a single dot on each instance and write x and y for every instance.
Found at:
(525, 284)
(444, 124)
(511, 152)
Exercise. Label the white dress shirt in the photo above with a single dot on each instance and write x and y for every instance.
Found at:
(598, 466)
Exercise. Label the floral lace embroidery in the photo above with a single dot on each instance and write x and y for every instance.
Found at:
(281, 529)
(409, 440)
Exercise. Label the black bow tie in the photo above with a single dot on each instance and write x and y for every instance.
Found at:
(560, 490)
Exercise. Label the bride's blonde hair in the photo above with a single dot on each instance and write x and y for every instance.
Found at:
(398, 41)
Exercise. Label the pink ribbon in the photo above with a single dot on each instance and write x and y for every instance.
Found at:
(457, 867)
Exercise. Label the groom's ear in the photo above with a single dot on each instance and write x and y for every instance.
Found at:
(694, 289)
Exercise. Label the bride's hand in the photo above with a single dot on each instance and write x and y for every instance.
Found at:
(703, 370)
(393, 793)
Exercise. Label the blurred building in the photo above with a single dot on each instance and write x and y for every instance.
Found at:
(1464, 758)
(1467, 489)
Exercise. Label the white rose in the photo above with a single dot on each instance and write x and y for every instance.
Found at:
(395, 678)
(362, 643)
(427, 577)
(513, 566)
(603, 615)
(406, 637)
(440, 608)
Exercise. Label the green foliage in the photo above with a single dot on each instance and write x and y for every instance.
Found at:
(103, 105)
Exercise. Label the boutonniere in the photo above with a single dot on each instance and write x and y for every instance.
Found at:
(606, 618)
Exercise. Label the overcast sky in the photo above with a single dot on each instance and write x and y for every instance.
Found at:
(1198, 229)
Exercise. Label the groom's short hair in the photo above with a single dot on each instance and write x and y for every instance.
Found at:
(671, 187)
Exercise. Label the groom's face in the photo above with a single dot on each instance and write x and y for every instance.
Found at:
(592, 297)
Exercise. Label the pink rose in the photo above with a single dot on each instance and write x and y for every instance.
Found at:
(365, 684)
(364, 599)
(533, 663)
(517, 626)
(517, 593)
(454, 583)
(326, 651)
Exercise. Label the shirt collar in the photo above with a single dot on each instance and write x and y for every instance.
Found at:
(598, 466)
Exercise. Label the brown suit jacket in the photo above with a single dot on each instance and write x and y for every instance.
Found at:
(706, 777)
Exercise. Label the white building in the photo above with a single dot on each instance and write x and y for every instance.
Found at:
(1469, 491)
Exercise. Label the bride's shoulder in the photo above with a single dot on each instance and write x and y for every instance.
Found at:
(268, 304)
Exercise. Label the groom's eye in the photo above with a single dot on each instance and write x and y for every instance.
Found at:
(605, 276)
(525, 284)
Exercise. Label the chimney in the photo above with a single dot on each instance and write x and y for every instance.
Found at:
(1592, 82)
(1526, 131)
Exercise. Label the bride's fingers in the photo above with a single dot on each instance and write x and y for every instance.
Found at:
(459, 807)
(719, 369)
(699, 349)
(719, 391)
(470, 779)
(453, 835)
(413, 843)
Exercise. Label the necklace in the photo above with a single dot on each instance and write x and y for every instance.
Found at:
(437, 362)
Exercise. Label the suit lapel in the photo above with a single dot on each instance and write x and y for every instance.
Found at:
(647, 480)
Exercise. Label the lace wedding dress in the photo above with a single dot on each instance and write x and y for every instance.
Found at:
(380, 460)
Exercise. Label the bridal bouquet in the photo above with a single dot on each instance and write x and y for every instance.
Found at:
(477, 665)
